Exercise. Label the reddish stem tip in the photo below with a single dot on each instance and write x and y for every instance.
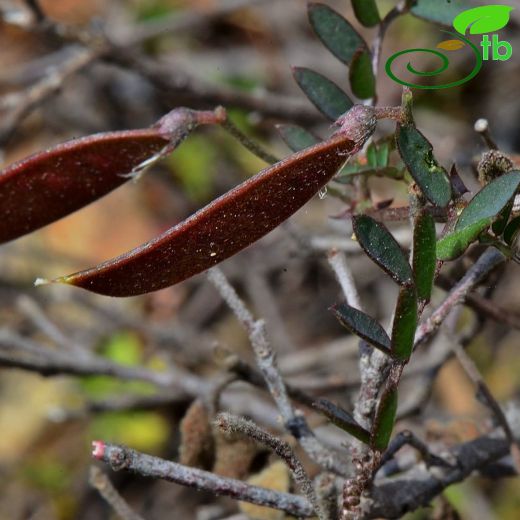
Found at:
(98, 449)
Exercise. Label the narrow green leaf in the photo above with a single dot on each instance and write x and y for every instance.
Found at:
(382, 248)
(405, 323)
(335, 32)
(325, 95)
(363, 326)
(296, 137)
(490, 200)
(342, 419)
(479, 214)
(384, 147)
(423, 257)
(417, 153)
(366, 12)
(384, 419)
(511, 230)
(483, 19)
(431, 11)
(372, 155)
(361, 77)
(454, 244)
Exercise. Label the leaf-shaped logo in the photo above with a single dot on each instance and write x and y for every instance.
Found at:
(481, 20)
(451, 45)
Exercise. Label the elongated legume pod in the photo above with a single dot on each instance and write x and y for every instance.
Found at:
(222, 228)
(51, 184)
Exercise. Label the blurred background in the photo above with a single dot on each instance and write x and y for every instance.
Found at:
(47, 423)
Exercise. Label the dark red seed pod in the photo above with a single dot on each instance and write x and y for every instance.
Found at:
(222, 228)
(49, 185)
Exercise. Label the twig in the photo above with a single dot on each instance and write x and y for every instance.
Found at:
(401, 8)
(486, 397)
(123, 458)
(186, 20)
(248, 374)
(482, 128)
(233, 424)
(484, 306)
(294, 421)
(40, 92)
(389, 498)
(19, 352)
(35, 313)
(181, 87)
(262, 298)
(98, 480)
(339, 265)
(490, 259)
(393, 497)
(407, 437)
(248, 143)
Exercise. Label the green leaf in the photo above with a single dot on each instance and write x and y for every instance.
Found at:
(363, 326)
(482, 20)
(424, 255)
(366, 12)
(335, 32)
(372, 155)
(511, 230)
(454, 244)
(405, 323)
(384, 419)
(431, 11)
(325, 95)
(490, 200)
(342, 419)
(479, 214)
(417, 153)
(361, 76)
(296, 137)
(384, 147)
(382, 248)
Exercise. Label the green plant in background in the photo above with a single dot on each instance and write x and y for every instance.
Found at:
(246, 213)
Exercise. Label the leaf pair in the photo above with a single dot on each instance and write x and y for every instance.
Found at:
(485, 208)
(383, 249)
(416, 284)
(338, 35)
